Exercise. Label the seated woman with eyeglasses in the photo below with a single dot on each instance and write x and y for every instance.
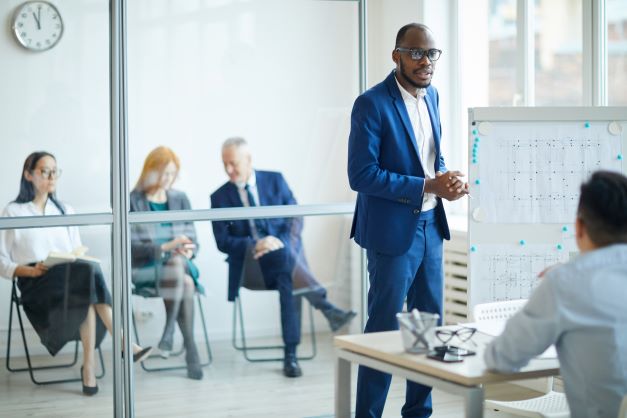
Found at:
(162, 253)
(67, 301)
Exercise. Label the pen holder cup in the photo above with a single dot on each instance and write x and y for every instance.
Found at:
(418, 333)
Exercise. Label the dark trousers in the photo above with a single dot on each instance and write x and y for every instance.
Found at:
(277, 267)
(418, 276)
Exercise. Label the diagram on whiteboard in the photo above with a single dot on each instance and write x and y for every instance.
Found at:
(502, 272)
(532, 174)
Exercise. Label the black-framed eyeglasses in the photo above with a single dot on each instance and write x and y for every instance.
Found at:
(48, 174)
(463, 334)
(417, 53)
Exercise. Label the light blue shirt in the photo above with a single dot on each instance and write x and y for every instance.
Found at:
(581, 307)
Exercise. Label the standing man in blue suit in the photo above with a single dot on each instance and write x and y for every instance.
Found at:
(275, 244)
(395, 165)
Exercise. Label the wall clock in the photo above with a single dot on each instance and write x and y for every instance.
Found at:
(37, 25)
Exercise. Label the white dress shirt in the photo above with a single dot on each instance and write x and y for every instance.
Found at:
(252, 186)
(29, 245)
(423, 132)
(581, 308)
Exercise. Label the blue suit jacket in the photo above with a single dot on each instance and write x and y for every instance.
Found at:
(235, 237)
(384, 168)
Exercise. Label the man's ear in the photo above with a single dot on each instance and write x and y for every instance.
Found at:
(580, 229)
(395, 56)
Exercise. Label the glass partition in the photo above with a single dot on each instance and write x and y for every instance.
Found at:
(268, 71)
(326, 275)
(57, 100)
(57, 310)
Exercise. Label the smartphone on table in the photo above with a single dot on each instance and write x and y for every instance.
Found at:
(449, 354)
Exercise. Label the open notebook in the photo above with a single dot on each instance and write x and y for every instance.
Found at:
(56, 257)
(490, 319)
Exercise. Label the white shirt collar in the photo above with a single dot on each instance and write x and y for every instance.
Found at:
(252, 181)
(407, 95)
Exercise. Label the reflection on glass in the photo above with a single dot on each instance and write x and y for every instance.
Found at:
(616, 12)
(162, 254)
(559, 73)
(63, 291)
(268, 251)
(502, 53)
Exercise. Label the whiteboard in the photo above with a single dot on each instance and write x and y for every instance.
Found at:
(525, 169)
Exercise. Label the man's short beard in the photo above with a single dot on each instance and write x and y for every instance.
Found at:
(409, 80)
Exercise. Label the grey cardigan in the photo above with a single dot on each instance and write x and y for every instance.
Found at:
(144, 249)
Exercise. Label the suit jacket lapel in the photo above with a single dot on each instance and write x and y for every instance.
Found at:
(261, 188)
(435, 127)
(399, 104)
(233, 196)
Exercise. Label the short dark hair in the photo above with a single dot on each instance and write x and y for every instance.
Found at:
(603, 208)
(402, 31)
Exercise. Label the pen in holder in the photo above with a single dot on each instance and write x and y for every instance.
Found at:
(418, 330)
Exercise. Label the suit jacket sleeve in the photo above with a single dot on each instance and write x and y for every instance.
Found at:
(366, 141)
(288, 228)
(227, 242)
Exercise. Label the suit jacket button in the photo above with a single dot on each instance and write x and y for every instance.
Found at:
(416, 211)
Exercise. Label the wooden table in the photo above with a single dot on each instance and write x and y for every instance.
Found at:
(383, 351)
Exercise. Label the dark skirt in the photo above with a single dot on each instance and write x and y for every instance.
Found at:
(56, 303)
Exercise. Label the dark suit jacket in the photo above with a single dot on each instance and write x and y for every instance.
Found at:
(235, 237)
(144, 249)
(384, 168)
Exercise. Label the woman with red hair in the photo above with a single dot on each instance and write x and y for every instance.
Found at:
(162, 253)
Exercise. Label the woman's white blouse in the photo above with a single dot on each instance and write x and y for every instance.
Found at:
(24, 246)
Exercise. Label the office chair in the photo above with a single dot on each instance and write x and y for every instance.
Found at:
(152, 293)
(17, 302)
(550, 405)
(252, 279)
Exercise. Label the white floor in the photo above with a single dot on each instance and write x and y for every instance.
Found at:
(232, 387)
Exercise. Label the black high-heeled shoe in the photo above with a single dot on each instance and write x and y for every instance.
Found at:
(88, 390)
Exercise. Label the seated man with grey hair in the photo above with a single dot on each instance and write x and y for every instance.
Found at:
(275, 244)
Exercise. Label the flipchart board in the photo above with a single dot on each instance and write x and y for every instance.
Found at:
(525, 169)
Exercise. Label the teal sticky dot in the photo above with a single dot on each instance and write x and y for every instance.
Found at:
(587, 124)
(475, 146)
(474, 154)
(474, 161)
(564, 229)
(477, 181)
(619, 157)
(559, 246)
(476, 140)
(474, 132)
(522, 242)
(473, 248)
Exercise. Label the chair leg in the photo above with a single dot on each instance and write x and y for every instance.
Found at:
(8, 357)
(238, 319)
(149, 368)
(30, 367)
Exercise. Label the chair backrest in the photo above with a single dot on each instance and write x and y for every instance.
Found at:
(497, 311)
(622, 413)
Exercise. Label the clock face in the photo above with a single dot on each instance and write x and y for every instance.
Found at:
(37, 25)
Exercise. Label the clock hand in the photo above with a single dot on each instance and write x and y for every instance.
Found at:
(37, 19)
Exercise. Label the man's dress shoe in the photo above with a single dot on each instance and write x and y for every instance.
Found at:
(291, 367)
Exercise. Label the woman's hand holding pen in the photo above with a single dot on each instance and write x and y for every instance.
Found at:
(37, 270)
